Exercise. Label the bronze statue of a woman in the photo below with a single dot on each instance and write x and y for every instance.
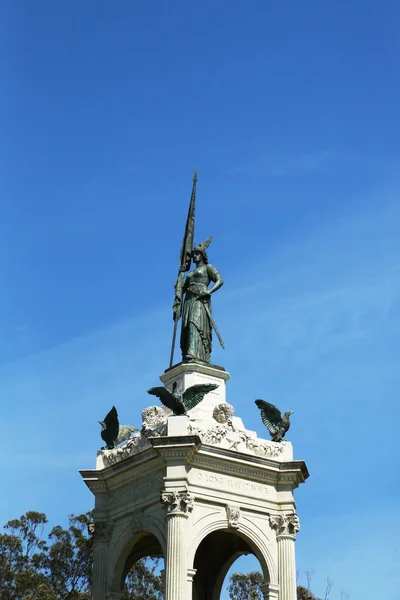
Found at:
(196, 334)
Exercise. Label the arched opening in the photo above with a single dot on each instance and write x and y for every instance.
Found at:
(146, 545)
(140, 567)
(244, 579)
(214, 557)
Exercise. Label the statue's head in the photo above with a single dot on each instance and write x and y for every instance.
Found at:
(198, 255)
(199, 252)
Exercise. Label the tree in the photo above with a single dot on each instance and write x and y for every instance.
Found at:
(305, 594)
(60, 567)
(142, 582)
(21, 558)
(246, 586)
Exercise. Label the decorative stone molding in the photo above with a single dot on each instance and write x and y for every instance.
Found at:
(233, 516)
(152, 417)
(101, 532)
(261, 448)
(270, 591)
(136, 525)
(222, 435)
(213, 436)
(178, 502)
(154, 425)
(134, 445)
(285, 524)
(223, 413)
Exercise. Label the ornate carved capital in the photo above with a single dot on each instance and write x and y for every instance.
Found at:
(285, 524)
(101, 532)
(233, 516)
(177, 502)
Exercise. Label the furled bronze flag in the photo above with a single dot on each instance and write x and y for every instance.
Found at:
(185, 261)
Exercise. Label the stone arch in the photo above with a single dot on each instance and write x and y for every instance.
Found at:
(138, 540)
(257, 543)
(217, 546)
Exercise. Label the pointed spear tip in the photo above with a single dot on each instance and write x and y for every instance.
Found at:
(195, 176)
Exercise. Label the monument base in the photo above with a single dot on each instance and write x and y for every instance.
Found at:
(187, 374)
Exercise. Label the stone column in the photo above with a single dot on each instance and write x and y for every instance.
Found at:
(101, 538)
(178, 505)
(286, 527)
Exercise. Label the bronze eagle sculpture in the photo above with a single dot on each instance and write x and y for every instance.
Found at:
(112, 432)
(273, 420)
(181, 403)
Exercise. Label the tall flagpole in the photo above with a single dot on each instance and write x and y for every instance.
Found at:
(185, 261)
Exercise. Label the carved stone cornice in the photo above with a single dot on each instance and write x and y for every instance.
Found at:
(240, 469)
(233, 516)
(177, 502)
(285, 525)
(174, 448)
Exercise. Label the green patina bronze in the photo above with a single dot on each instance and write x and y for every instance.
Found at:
(192, 299)
(197, 322)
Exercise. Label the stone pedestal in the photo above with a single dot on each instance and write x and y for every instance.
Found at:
(187, 374)
(177, 425)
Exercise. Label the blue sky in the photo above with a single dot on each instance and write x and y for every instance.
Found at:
(290, 113)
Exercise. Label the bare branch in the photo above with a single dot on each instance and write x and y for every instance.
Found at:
(309, 576)
(328, 589)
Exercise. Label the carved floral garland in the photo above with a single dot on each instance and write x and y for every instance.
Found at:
(154, 425)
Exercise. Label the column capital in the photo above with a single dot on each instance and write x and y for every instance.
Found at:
(178, 502)
(285, 525)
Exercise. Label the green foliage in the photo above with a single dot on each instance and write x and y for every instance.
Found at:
(305, 594)
(142, 582)
(60, 566)
(246, 586)
(22, 554)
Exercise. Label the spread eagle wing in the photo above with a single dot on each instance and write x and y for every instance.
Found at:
(195, 394)
(165, 396)
(112, 424)
(270, 415)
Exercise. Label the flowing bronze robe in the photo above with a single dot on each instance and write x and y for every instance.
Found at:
(196, 336)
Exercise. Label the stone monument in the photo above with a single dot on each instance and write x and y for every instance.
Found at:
(198, 489)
